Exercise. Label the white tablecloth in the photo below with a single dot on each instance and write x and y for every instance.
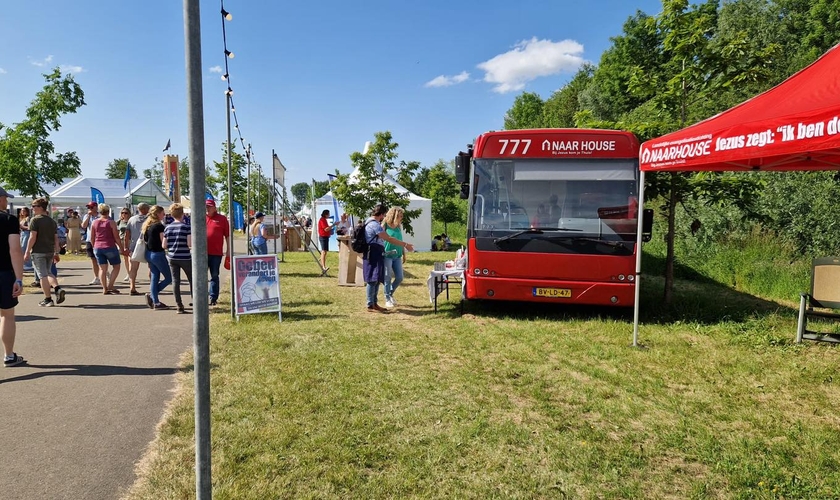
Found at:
(439, 275)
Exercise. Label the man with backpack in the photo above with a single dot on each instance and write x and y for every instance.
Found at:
(373, 253)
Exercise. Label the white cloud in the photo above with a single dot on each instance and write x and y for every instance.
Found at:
(216, 69)
(67, 68)
(43, 63)
(2, 71)
(446, 81)
(529, 60)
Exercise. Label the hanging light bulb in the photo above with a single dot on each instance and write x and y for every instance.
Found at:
(227, 15)
(225, 76)
(229, 91)
(229, 53)
(232, 108)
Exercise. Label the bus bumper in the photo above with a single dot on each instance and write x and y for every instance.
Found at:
(558, 292)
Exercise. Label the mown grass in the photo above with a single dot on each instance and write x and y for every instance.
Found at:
(508, 400)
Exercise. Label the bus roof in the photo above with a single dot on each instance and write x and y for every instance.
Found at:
(556, 143)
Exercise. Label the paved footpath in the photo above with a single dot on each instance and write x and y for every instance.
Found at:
(100, 369)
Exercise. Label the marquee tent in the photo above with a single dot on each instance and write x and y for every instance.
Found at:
(76, 192)
(793, 126)
(422, 225)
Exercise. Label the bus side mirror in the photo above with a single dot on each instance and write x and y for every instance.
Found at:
(462, 167)
(647, 224)
(465, 191)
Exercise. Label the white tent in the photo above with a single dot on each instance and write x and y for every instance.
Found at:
(76, 192)
(422, 225)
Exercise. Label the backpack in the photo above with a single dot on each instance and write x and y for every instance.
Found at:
(359, 242)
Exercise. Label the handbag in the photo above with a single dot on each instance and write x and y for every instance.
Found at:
(139, 253)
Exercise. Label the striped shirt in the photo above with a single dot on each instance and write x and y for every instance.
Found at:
(176, 241)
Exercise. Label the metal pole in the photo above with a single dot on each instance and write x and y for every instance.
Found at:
(283, 222)
(230, 210)
(274, 201)
(248, 208)
(201, 311)
(638, 282)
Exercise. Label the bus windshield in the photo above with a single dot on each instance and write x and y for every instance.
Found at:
(592, 198)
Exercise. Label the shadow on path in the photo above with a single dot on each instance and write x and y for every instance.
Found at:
(87, 371)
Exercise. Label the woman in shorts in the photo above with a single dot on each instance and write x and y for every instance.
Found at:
(107, 248)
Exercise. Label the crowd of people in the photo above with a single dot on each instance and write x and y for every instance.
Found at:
(35, 236)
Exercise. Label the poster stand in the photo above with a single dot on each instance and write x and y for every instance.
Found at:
(257, 285)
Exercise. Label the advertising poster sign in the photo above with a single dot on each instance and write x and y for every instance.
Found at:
(257, 284)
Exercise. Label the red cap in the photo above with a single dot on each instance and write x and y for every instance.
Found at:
(92, 204)
(210, 203)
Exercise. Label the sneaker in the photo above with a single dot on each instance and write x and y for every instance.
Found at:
(372, 310)
(36, 284)
(13, 361)
(160, 306)
(213, 302)
(46, 303)
(60, 294)
(379, 308)
(393, 301)
(126, 279)
(95, 281)
(389, 303)
(181, 309)
(149, 301)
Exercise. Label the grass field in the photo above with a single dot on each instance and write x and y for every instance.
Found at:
(507, 401)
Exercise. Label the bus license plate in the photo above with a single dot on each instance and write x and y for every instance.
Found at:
(553, 293)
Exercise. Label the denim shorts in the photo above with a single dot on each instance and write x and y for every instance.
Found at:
(107, 256)
(42, 262)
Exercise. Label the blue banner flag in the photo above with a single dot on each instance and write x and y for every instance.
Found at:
(127, 175)
(238, 216)
(330, 178)
(208, 196)
(96, 195)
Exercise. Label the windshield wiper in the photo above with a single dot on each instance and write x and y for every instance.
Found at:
(615, 244)
(531, 230)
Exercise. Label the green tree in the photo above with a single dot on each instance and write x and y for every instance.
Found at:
(218, 180)
(301, 192)
(184, 175)
(443, 190)
(116, 169)
(407, 175)
(526, 112)
(360, 194)
(559, 109)
(27, 157)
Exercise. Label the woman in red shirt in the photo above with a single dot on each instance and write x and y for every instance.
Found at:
(324, 232)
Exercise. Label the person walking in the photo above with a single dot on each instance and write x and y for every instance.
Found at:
(24, 216)
(373, 264)
(74, 232)
(122, 227)
(394, 254)
(325, 230)
(218, 232)
(178, 242)
(11, 279)
(156, 257)
(132, 234)
(91, 216)
(259, 235)
(107, 247)
(43, 249)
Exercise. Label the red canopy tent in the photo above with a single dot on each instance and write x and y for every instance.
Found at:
(793, 126)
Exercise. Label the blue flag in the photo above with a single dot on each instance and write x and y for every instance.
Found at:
(96, 195)
(208, 196)
(238, 216)
(127, 175)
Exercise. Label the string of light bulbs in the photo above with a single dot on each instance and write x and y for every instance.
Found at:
(227, 16)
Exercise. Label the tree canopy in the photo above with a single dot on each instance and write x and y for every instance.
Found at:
(28, 159)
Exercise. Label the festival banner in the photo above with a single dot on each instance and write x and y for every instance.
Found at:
(238, 216)
(96, 195)
(136, 199)
(257, 284)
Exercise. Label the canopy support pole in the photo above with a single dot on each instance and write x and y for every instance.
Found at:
(638, 280)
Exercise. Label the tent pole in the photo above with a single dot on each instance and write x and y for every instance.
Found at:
(638, 283)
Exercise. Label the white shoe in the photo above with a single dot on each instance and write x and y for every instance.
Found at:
(394, 302)
(94, 282)
(390, 303)
(125, 280)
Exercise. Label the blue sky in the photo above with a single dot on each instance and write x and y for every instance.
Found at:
(311, 80)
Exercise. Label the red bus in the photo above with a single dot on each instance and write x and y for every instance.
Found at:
(552, 216)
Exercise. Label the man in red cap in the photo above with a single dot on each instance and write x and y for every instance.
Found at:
(218, 232)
